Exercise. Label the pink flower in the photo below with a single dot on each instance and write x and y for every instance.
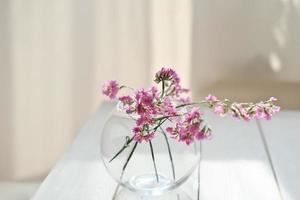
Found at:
(167, 108)
(266, 112)
(185, 100)
(126, 100)
(276, 109)
(144, 97)
(172, 83)
(211, 98)
(139, 135)
(170, 130)
(188, 128)
(144, 119)
(149, 136)
(273, 99)
(110, 89)
(193, 115)
(154, 92)
(204, 134)
(145, 102)
(167, 74)
(179, 93)
(219, 110)
(243, 112)
(137, 129)
(187, 138)
(262, 114)
(127, 104)
(200, 135)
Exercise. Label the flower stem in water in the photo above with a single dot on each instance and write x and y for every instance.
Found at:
(128, 141)
(123, 169)
(153, 159)
(169, 150)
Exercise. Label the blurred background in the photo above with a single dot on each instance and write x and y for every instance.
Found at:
(54, 56)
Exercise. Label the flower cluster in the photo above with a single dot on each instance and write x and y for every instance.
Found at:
(110, 89)
(188, 128)
(151, 108)
(170, 79)
(244, 111)
(167, 74)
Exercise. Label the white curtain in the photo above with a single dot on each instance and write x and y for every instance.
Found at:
(55, 56)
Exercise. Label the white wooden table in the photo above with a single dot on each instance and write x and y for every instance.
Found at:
(244, 161)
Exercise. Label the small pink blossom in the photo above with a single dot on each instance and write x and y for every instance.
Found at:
(193, 115)
(145, 102)
(187, 138)
(276, 109)
(139, 135)
(211, 98)
(126, 100)
(244, 114)
(178, 90)
(167, 108)
(110, 89)
(179, 93)
(170, 130)
(127, 104)
(266, 112)
(144, 119)
(273, 99)
(201, 135)
(262, 114)
(144, 97)
(149, 136)
(185, 100)
(154, 92)
(219, 109)
(137, 129)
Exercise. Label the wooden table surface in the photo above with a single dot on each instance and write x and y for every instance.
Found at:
(244, 161)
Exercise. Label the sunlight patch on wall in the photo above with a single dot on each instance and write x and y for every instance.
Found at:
(275, 62)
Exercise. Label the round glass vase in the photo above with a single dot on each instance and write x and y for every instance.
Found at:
(147, 168)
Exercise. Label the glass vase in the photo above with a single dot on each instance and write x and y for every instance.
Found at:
(147, 168)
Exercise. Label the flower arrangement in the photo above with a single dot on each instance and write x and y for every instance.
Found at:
(150, 108)
(167, 101)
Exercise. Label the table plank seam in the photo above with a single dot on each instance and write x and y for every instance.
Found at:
(198, 174)
(266, 148)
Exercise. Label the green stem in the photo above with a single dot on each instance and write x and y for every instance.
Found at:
(169, 150)
(190, 104)
(226, 101)
(186, 104)
(127, 161)
(128, 141)
(168, 116)
(124, 86)
(159, 124)
(163, 89)
(153, 159)
(123, 169)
